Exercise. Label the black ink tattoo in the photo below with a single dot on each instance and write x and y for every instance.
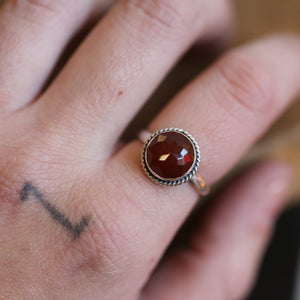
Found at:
(75, 229)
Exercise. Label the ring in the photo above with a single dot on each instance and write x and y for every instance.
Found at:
(171, 157)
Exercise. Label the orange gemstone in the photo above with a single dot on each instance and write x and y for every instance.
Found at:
(170, 155)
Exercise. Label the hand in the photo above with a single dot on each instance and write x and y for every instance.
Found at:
(80, 220)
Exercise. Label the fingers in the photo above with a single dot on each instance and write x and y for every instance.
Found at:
(33, 34)
(223, 256)
(123, 61)
(226, 109)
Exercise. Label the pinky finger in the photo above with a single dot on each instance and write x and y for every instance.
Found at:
(223, 256)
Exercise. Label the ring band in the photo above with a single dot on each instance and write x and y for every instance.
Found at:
(171, 157)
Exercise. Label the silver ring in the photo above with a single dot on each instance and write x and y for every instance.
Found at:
(171, 157)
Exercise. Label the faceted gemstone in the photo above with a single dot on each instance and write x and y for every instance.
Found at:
(170, 155)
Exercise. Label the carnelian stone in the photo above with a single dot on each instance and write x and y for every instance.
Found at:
(170, 155)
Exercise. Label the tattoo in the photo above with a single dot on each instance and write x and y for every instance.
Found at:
(75, 229)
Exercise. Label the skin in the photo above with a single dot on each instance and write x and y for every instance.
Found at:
(80, 220)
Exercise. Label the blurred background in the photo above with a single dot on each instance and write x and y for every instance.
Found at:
(280, 272)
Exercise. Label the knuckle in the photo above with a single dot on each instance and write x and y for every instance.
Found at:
(163, 16)
(39, 3)
(37, 11)
(99, 248)
(112, 239)
(46, 5)
(98, 242)
(248, 82)
(104, 239)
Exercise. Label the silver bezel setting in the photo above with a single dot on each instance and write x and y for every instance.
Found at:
(177, 181)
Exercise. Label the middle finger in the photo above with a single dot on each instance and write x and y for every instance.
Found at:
(123, 60)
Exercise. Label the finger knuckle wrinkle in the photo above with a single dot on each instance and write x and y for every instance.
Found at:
(47, 5)
(99, 250)
(247, 81)
(44, 4)
(164, 14)
(103, 243)
(35, 11)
